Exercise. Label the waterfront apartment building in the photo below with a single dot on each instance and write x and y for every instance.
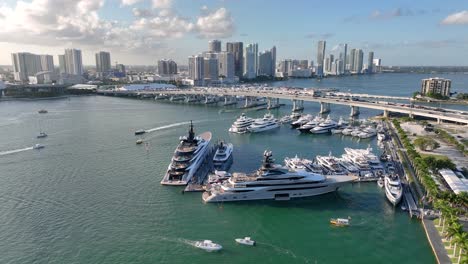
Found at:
(103, 63)
(439, 86)
(267, 62)
(214, 45)
(73, 62)
(167, 67)
(251, 61)
(343, 58)
(211, 69)
(320, 57)
(237, 49)
(226, 65)
(358, 61)
(370, 62)
(27, 64)
(350, 65)
(62, 64)
(196, 67)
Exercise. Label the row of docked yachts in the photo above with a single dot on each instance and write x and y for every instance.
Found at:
(246, 124)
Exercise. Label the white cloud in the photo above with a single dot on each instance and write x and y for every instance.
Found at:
(459, 18)
(217, 24)
(129, 2)
(162, 3)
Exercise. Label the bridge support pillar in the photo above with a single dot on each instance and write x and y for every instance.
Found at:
(411, 115)
(298, 105)
(246, 101)
(439, 121)
(354, 111)
(324, 108)
(269, 103)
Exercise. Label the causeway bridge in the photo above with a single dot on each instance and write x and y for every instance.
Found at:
(297, 97)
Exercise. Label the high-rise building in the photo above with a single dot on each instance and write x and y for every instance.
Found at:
(358, 61)
(285, 67)
(62, 64)
(320, 57)
(167, 67)
(273, 61)
(237, 49)
(267, 62)
(211, 69)
(73, 62)
(436, 85)
(251, 61)
(226, 65)
(214, 45)
(25, 64)
(352, 55)
(370, 62)
(120, 69)
(103, 63)
(47, 63)
(197, 69)
(303, 64)
(343, 59)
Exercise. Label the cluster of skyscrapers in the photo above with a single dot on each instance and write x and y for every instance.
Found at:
(236, 62)
(167, 67)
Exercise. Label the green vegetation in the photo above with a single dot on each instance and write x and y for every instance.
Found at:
(437, 96)
(462, 96)
(452, 140)
(416, 94)
(426, 143)
(451, 205)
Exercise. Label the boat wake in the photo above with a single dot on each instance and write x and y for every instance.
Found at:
(279, 249)
(167, 126)
(179, 241)
(2, 153)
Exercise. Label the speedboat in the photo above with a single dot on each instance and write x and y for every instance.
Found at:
(140, 132)
(42, 111)
(268, 122)
(208, 245)
(188, 158)
(340, 221)
(245, 241)
(324, 127)
(38, 146)
(241, 125)
(42, 135)
(139, 141)
(393, 188)
(223, 154)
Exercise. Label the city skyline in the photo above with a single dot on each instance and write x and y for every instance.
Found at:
(141, 32)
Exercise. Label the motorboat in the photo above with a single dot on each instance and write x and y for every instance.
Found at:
(336, 131)
(208, 245)
(340, 221)
(330, 164)
(139, 141)
(140, 132)
(245, 241)
(42, 111)
(38, 146)
(274, 181)
(324, 127)
(347, 130)
(301, 121)
(305, 128)
(218, 176)
(393, 188)
(367, 132)
(268, 122)
(223, 154)
(42, 135)
(294, 163)
(286, 119)
(381, 136)
(342, 123)
(380, 182)
(188, 157)
(241, 125)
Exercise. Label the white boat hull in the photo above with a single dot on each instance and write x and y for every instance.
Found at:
(261, 129)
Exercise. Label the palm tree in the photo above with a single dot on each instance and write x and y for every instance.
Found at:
(462, 238)
(457, 239)
(453, 229)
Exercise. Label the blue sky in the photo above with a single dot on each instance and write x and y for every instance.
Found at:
(143, 31)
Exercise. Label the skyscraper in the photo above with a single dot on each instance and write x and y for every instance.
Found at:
(237, 49)
(25, 64)
(264, 63)
(344, 59)
(73, 61)
(358, 61)
(273, 61)
(62, 64)
(47, 63)
(226, 65)
(197, 69)
(214, 45)
(352, 55)
(211, 69)
(251, 61)
(370, 62)
(167, 67)
(103, 63)
(320, 57)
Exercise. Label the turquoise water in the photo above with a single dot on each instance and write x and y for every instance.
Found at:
(93, 196)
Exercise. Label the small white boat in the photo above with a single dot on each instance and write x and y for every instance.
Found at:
(139, 141)
(340, 221)
(42, 135)
(286, 119)
(245, 241)
(208, 245)
(38, 146)
(336, 131)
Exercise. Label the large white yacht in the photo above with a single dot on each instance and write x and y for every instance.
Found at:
(305, 128)
(324, 127)
(223, 155)
(302, 120)
(188, 156)
(330, 163)
(367, 132)
(273, 181)
(365, 154)
(263, 124)
(393, 188)
(241, 125)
